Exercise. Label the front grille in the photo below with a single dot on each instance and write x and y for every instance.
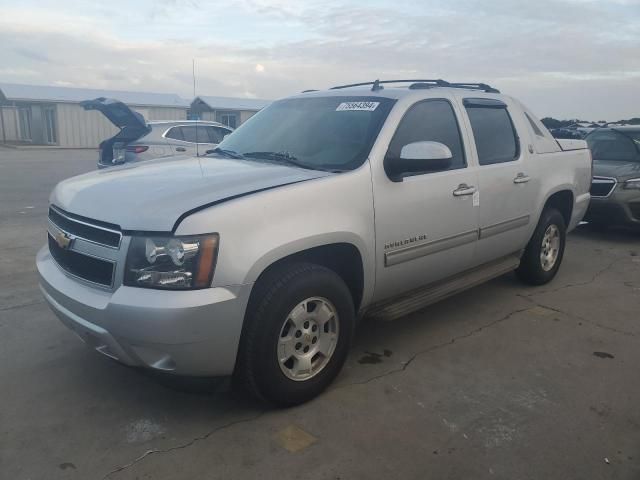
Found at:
(97, 232)
(88, 268)
(602, 186)
(635, 210)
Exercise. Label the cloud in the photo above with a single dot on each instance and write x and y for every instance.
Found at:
(562, 57)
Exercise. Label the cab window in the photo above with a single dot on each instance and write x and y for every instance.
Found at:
(493, 131)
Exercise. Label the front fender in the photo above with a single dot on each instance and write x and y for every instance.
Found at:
(262, 228)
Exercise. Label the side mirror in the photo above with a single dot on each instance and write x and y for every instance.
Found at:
(418, 157)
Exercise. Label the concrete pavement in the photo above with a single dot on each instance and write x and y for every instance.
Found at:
(503, 381)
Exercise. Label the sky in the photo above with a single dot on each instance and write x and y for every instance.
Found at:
(562, 58)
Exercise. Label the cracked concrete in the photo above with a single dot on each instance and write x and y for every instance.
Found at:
(502, 381)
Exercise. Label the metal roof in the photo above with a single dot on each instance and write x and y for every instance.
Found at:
(231, 103)
(17, 92)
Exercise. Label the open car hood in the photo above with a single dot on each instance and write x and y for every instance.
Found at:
(132, 125)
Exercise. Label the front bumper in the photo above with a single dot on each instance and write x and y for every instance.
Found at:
(622, 207)
(193, 332)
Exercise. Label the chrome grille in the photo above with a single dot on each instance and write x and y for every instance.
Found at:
(602, 186)
(94, 270)
(90, 230)
(87, 249)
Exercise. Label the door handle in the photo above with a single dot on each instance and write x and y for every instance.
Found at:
(464, 189)
(181, 149)
(521, 178)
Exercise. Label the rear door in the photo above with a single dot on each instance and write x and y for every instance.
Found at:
(506, 177)
(426, 224)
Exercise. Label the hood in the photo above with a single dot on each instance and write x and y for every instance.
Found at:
(132, 124)
(152, 196)
(619, 170)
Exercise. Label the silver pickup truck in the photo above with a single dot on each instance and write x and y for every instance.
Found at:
(257, 260)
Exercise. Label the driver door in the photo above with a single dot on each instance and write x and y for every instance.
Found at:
(426, 223)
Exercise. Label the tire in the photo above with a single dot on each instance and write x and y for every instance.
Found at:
(533, 269)
(280, 305)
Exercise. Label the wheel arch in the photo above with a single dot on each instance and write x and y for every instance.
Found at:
(345, 258)
(563, 200)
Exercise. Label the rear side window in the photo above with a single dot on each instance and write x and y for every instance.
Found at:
(175, 133)
(216, 134)
(495, 136)
(429, 120)
(196, 134)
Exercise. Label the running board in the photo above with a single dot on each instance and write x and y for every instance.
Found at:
(424, 296)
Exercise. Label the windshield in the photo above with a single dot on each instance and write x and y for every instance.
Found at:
(614, 145)
(323, 133)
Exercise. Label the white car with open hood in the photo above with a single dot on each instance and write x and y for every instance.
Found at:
(257, 260)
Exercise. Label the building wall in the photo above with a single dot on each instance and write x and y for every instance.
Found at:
(78, 128)
(209, 116)
(214, 115)
(165, 113)
(246, 115)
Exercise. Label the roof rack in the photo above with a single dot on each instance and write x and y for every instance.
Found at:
(421, 83)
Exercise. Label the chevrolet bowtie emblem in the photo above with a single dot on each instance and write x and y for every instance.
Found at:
(63, 240)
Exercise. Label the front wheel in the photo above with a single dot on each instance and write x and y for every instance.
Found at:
(544, 252)
(297, 333)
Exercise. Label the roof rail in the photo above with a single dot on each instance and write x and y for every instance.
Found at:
(421, 83)
(475, 86)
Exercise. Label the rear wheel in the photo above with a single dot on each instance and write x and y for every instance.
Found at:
(297, 332)
(544, 252)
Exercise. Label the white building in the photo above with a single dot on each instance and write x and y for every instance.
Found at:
(230, 111)
(48, 115)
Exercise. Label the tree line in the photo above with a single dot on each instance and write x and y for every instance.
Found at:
(550, 122)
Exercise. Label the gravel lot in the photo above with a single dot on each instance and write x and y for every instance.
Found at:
(503, 381)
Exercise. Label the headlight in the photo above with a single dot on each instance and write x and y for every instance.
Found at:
(632, 184)
(176, 263)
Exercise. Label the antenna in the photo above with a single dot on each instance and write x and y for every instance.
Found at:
(193, 73)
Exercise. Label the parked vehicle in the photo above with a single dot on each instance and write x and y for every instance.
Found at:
(615, 189)
(140, 140)
(324, 207)
(568, 133)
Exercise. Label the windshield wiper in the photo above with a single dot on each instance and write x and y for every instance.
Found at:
(281, 156)
(226, 153)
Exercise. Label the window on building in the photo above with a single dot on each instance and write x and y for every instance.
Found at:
(430, 120)
(493, 132)
(24, 121)
(229, 119)
(50, 125)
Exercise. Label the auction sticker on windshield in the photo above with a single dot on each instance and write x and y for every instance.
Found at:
(357, 106)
